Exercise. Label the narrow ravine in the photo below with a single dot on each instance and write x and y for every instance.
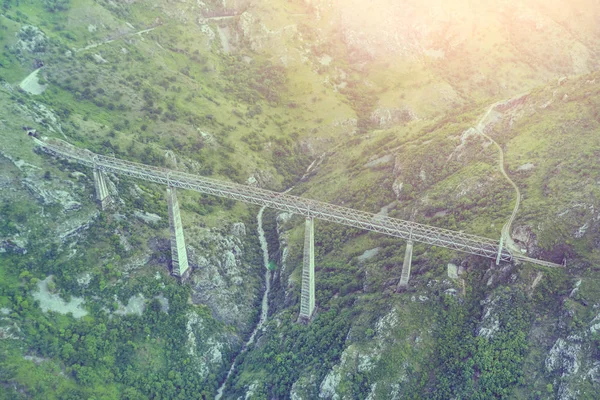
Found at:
(264, 312)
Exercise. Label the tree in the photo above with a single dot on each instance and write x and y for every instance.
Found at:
(67, 351)
(56, 5)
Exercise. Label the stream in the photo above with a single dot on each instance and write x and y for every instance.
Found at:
(264, 312)
(265, 299)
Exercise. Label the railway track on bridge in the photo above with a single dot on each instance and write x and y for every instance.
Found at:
(309, 208)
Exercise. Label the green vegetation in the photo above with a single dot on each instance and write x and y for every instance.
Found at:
(56, 5)
(296, 348)
(103, 354)
(473, 365)
(254, 96)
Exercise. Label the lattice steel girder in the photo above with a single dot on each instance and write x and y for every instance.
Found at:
(293, 204)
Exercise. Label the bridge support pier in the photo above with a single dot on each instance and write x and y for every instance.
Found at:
(179, 260)
(102, 194)
(307, 297)
(405, 276)
(500, 250)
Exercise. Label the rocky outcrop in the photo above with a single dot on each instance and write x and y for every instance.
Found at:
(368, 254)
(594, 373)
(147, 217)
(222, 276)
(329, 385)
(31, 40)
(15, 244)
(595, 324)
(452, 271)
(238, 229)
(304, 388)
(285, 284)
(135, 305)
(74, 232)
(524, 235)
(495, 308)
(205, 344)
(564, 357)
(566, 393)
(253, 31)
(387, 117)
(260, 179)
(397, 187)
(282, 227)
(565, 360)
(9, 329)
(46, 194)
(377, 161)
(497, 274)
(364, 358)
(50, 301)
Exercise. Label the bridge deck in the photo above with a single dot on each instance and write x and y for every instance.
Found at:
(297, 205)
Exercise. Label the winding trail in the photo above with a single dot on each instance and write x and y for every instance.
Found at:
(93, 45)
(221, 18)
(508, 242)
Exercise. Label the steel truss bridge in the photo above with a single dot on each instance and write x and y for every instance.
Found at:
(407, 230)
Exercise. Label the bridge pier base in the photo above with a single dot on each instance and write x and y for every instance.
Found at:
(179, 261)
(405, 276)
(102, 194)
(307, 297)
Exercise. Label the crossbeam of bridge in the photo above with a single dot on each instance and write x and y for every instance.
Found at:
(309, 208)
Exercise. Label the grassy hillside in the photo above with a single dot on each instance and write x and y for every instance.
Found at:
(488, 334)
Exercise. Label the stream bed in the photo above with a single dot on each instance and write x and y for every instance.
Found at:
(264, 312)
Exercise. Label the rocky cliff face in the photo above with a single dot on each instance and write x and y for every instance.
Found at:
(221, 274)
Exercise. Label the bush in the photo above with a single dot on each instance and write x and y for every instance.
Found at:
(56, 5)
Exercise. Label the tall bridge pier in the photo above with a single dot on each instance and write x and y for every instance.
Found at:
(500, 250)
(179, 260)
(307, 297)
(102, 194)
(405, 276)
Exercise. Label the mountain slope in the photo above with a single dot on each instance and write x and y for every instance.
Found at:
(385, 100)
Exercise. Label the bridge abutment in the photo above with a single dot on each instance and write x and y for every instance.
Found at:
(179, 261)
(405, 276)
(307, 297)
(102, 194)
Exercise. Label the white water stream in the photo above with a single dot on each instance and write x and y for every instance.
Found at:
(264, 312)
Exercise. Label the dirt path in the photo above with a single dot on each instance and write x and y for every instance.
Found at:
(91, 46)
(221, 18)
(508, 242)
